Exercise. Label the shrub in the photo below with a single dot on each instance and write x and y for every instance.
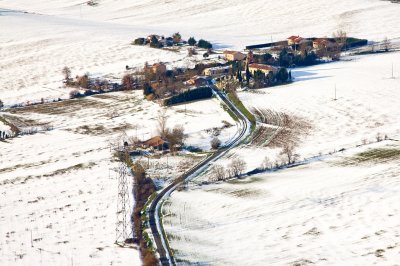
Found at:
(205, 55)
(282, 75)
(88, 92)
(192, 41)
(74, 94)
(139, 41)
(177, 37)
(83, 81)
(156, 45)
(1, 104)
(236, 167)
(127, 82)
(147, 89)
(215, 143)
(204, 44)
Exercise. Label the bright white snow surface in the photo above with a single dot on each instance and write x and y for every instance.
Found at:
(324, 213)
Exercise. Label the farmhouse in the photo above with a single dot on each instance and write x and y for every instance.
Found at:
(217, 71)
(294, 40)
(263, 68)
(199, 81)
(321, 43)
(234, 56)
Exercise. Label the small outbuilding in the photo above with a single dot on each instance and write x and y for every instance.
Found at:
(234, 56)
(263, 68)
(156, 143)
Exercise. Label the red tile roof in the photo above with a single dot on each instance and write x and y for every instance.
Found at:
(321, 40)
(262, 66)
(293, 37)
(154, 141)
(298, 39)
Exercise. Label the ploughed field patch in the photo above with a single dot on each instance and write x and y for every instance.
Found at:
(61, 107)
(276, 129)
(374, 155)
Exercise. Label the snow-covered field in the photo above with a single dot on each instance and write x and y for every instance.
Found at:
(55, 186)
(333, 212)
(58, 185)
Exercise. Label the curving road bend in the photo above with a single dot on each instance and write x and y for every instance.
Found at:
(166, 257)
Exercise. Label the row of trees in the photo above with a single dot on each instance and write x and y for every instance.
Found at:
(143, 189)
(189, 95)
(159, 42)
(237, 166)
(234, 169)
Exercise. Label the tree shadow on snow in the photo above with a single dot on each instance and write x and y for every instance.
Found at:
(301, 75)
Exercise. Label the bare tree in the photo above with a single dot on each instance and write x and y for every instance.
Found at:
(162, 119)
(127, 82)
(218, 173)
(386, 44)
(341, 38)
(266, 164)
(289, 152)
(231, 85)
(176, 137)
(67, 73)
(236, 167)
(378, 137)
(83, 81)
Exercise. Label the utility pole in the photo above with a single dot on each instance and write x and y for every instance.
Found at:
(335, 94)
(31, 239)
(392, 71)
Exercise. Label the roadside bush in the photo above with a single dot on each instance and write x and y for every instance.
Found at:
(215, 143)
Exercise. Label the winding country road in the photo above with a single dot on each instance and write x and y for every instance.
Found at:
(166, 257)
